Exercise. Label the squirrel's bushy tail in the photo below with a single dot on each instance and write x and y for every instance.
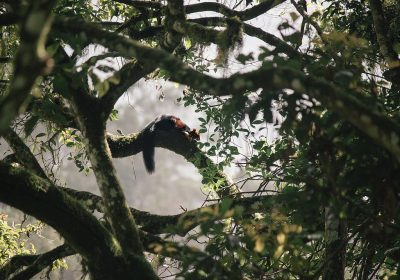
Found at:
(148, 153)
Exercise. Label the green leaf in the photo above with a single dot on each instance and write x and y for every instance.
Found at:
(30, 125)
(61, 85)
(225, 205)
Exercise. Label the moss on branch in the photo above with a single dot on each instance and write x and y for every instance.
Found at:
(83, 232)
(197, 32)
(382, 34)
(30, 62)
(23, 153)
(115, 205)
(179, 224)
(385, 41)
(34, 263)
(203, 6)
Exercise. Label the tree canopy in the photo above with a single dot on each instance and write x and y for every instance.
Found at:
(319, 200)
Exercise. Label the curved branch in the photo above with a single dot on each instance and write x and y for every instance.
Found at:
(129, 74)
(23, 153)
(35, 263)
(141, 4)
(253, 32)
(198, 32)
(245, 15)
(302, 12)
(181, 223)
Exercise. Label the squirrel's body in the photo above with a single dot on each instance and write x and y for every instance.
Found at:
(167, 123)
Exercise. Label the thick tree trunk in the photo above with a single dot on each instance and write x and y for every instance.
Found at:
(335, 245)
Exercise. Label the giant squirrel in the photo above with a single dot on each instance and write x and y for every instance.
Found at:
(166, 123)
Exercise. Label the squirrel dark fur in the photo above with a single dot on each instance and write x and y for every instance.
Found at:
(163, 122)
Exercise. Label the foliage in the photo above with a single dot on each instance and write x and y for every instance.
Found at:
(13, 239)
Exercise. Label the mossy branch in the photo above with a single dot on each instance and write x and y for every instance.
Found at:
(30, 62)
(128, 75)
(385, 41)
(41, 199)
(182, 223)
(382, 34)
(256, 32)
(141, 4)
(116, 209)
(244, 15)
(23, 153)
(34, 263)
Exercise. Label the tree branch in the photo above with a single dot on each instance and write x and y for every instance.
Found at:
(30, 62)
(23, 153)
(141, 4)
(5, 59)
(302, 12)
(35, 263)
(204, 261)
(181, 223)
(15, 263)
(116, 208)
(385, 41)
(82, 231)
(252, 31)
(198, 32)
(91, 122)
(174, 12)
(245, 15)
(129, 74)
(8, 18)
